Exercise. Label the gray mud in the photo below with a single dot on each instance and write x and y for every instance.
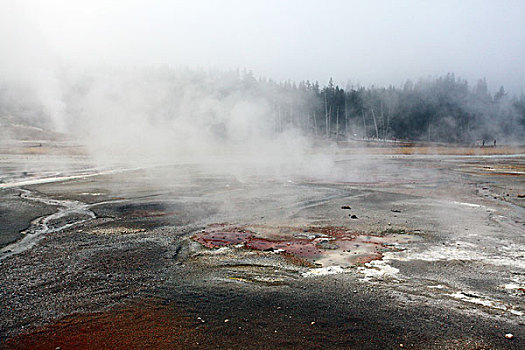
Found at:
(17, 214)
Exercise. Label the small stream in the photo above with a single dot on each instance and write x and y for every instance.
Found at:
(69, 213)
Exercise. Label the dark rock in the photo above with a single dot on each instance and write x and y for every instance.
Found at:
(325, 244)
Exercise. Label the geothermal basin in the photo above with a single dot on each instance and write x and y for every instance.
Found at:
(388, 248)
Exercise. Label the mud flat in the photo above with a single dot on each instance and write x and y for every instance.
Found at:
(387, 250)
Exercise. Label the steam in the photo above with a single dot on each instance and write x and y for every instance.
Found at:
(29, 72)
(228, 120)
(142, 117)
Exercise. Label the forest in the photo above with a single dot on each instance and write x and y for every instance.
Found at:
(443, 109)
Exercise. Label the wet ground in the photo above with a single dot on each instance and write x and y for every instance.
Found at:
(380, 250)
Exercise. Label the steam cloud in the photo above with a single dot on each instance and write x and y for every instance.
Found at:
(162, 115)
(168, 116)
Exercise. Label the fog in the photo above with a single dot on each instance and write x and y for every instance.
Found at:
(159, 81)
(163, 116)
(372, 42)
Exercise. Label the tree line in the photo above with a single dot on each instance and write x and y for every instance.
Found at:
(443, 109)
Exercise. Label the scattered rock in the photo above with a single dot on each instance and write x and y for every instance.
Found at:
(395, 210)
(325, 244)
(305, 235)
(509, 335)
(347, 207)
(353, 216)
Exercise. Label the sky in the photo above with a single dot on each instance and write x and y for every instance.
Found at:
(362, 42)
